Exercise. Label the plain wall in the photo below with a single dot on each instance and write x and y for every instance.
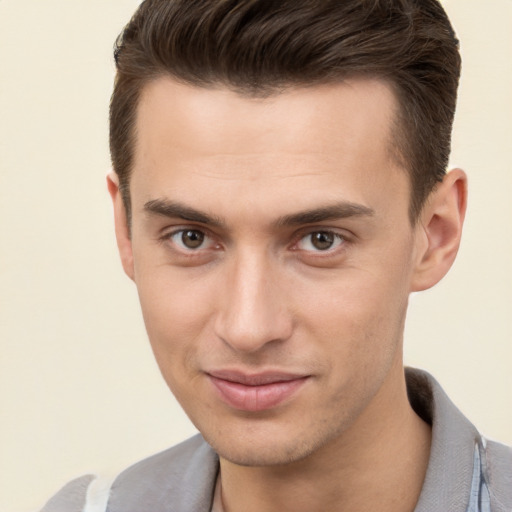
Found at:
(79, 390)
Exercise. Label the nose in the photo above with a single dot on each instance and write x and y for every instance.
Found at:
(252, 311)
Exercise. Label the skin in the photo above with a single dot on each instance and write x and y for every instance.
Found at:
(257, 295)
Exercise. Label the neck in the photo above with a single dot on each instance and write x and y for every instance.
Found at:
(377, 464)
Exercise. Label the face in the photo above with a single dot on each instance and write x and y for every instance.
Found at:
(273, 253)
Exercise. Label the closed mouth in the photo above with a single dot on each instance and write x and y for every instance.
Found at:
(255, 392)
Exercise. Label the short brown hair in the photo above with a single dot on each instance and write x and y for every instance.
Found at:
(259, 47)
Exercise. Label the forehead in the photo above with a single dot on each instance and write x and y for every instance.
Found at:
(331, 139)
(316, 114)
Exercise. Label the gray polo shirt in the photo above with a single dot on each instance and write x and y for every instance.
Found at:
(466, 472)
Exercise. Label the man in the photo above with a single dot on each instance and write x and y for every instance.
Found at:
(279, 190)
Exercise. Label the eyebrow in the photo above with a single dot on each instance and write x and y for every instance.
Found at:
(340, 210)
(176, 210)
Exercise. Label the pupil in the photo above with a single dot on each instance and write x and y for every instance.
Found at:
(192, 239)
(322, 240)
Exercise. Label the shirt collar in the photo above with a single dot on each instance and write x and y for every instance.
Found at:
(448, 481)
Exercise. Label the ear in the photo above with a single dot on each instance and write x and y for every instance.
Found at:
(124, 243)
(439, 230)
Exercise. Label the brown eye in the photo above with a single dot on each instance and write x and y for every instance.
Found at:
(195, 245)
(192, 239)
(320, 241)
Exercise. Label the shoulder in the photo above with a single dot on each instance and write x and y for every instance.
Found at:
(462, 462)
(71, 497)
(183, 475)
(193, 454)
(499, 475)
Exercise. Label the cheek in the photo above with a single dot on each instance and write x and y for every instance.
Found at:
(173, 324)
(358, 315)
(176, 313)
(358, 330)
(351, 298)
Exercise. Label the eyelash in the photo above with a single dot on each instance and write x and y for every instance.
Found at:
(339, 239)
(189, 252)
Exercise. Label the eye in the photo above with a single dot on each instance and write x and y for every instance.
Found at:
(320, 241)
(190, 239)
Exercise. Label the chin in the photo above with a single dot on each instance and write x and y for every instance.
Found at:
(258, 449)
(266, 456)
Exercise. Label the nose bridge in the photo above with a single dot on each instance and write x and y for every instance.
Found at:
(252, 312)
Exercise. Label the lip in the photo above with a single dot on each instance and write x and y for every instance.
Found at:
(255, 392)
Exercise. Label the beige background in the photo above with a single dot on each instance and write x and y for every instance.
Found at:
(79, 390)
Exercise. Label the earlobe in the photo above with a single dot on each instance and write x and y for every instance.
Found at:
(440, 230)
(122, 229)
